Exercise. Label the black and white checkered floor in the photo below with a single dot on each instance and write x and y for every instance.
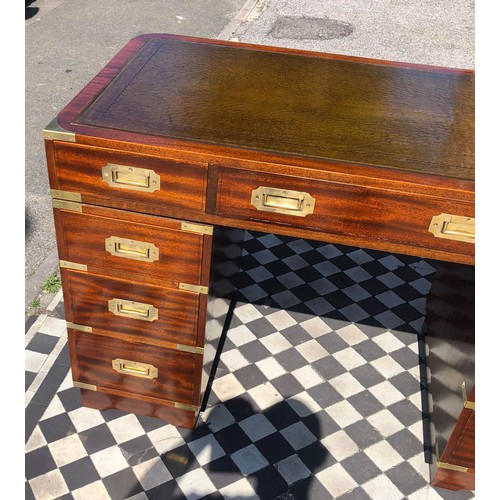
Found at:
(318, 393)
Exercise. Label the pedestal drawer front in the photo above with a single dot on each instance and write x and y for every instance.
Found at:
(122, 179)
(143, 370)
(463, 453)
(361, 212)
(133, 310)
(116, 242)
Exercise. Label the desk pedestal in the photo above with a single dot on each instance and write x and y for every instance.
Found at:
(451, 363)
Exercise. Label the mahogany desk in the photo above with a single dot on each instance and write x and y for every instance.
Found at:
(179, 144)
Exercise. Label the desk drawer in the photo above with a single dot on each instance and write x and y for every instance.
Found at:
(139, 369)
(124, 180)
(120, 243)
(364, 214)
(134, 311)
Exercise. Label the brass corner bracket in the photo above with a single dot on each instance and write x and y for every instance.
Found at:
(53, 131)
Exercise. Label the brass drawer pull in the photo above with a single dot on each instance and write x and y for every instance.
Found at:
(134, 368)
(135, 310)
(283, 201)
(131, 249)
(135, 178)
(453, 227)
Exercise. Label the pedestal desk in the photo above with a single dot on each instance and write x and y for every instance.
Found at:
(180, 144)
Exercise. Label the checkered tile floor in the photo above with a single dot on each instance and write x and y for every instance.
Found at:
(318, 393)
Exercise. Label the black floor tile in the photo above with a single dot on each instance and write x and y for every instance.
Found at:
(321, 424)
(138, 450)
(406, 479)
(363, 434)
(79, 473)
(70, 398)
(28, 379)
(316, 457)
(405, 443)
(232, 438)
(166, 491)
(122, 484)
(32, 415)
(97, 438)
(365, 403)
(57, 427)
(310, 489)
(222, 471)
(42, 343)
(281, 415)
(50, 384)
(360, 467)
(268, 483)
(274, 448)
(38, 462)
(180, 460)
(29, 323)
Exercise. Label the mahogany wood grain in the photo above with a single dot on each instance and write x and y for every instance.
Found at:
(79, 169)
(368, 213)
(86, 298)
(463, 451)
(246, 158)
(139, 405)
(178, 372)
(454, 480)
(81, 239)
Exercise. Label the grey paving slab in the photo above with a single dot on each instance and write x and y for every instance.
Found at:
(66, 44)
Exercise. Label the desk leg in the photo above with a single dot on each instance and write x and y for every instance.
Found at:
(450, 338)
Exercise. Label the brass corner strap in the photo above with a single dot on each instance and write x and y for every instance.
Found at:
(80, 328)
(193, 288)
(182, 406)
(197, 228)
(53, 131)
(66, 264)
(66, 200)
(453, 467)
(188, 348)
(66, 195)
(73, 206)
(83, 385)
(470, 405)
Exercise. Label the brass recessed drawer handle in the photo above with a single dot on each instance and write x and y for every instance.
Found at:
(135, 178)
(131, 309)
(283, 201)
(134, 368)
(453, 227)
(131, 249)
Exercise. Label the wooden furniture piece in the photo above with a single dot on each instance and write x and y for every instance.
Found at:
(179, 144)
(450, 339)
